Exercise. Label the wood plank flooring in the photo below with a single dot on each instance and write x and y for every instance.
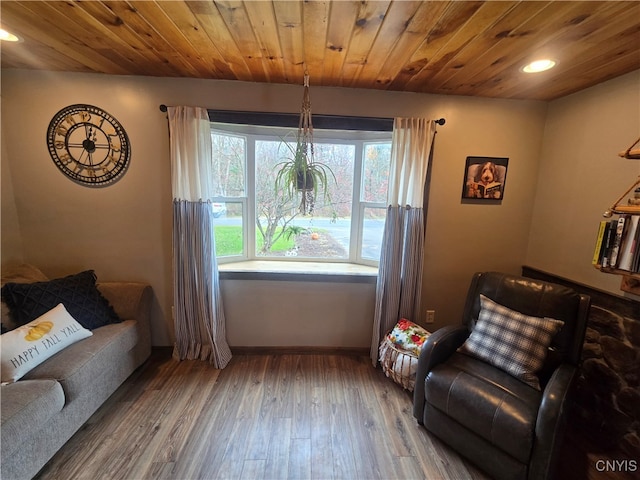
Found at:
(282, 416)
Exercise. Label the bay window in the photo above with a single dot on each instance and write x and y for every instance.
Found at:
(257, 221)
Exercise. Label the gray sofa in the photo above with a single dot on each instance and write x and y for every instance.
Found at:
(43, 409)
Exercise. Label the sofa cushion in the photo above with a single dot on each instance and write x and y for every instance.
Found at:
(27, 406)
(85, 362)
(511, 341)
(16, 274)
(489, 402)
(26, 347)
(78, 293)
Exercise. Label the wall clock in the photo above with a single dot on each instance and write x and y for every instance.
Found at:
(88, 145)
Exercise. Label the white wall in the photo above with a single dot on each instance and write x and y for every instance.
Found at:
(11, 244)
(581, 176)
(463, 238)
(286, 313)
(124, 231)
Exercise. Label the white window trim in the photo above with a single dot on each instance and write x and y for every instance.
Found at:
(249, 257)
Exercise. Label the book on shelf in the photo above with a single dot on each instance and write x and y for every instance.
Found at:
(617, 241)
(628, 243)
(635, 254)
(607, 243)
(597, 252)
(618, 244)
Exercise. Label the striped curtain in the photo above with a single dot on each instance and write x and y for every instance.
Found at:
(198, 312)
(399, 284)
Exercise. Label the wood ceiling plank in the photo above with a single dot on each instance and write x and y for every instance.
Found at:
(77, 26)
(342, 20)
(289, 24)
(446, 47)
(446, 20)
(596, 42)
(625, 62)
(315, 25)
(154, 39)
(186, 22)
(474, 38)
(367, 27)
(395, 23)
(613, 32)
(175, 39)
(439, 46)
(209, 17)
(489, 48)
(112, 31)
(237, 22)
(118, 27)
(31, 54)
(175, 23)
(516, 45)
(30, 20)
(617, 53)
(265, 27)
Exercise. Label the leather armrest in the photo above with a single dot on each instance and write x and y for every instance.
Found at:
(440, 345)
(550, 424)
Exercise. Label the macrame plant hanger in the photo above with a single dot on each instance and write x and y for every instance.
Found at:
(305, 140)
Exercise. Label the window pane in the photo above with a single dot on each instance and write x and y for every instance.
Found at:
(227, 229)
(281, 229)
(372, 230)
(274, 209)
(229, 164)
(375, 172)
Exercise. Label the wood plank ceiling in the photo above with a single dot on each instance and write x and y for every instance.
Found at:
(443, 47)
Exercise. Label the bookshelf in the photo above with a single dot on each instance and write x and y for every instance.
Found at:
(616, 271)
(617, 249)
(630, 280)
(625, 236)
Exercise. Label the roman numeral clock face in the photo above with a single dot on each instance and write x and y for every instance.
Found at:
(88, 145)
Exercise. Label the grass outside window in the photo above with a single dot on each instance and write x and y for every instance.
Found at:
(229, 241)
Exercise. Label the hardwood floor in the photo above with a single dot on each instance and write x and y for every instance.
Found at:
(263, 417)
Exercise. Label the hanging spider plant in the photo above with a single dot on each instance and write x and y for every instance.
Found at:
(300, 172)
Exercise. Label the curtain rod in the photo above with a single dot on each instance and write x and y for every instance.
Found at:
(440, 121)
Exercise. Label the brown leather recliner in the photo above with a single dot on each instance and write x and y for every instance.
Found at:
(504, 426)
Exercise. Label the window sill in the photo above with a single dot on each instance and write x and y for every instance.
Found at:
(298, 271)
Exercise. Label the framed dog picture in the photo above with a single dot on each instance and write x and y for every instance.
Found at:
(484, 178)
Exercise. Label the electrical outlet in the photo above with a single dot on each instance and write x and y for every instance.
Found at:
(430, 317)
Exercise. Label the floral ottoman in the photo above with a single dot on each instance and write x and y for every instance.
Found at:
(399, 352)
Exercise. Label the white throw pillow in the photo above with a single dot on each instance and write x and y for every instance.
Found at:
(28, 346)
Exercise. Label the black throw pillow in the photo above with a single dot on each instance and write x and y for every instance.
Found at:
(78, 293)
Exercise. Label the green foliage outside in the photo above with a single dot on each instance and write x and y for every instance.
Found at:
(229, 241)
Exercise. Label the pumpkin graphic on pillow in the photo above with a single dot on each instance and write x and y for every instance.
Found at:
(38, 331)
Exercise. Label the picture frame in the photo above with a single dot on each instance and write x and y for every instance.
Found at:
(484, 178)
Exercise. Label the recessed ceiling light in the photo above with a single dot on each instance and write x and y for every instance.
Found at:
(8, 37)
(539, 66)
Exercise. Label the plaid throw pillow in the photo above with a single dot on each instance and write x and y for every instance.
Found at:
(511, 341)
